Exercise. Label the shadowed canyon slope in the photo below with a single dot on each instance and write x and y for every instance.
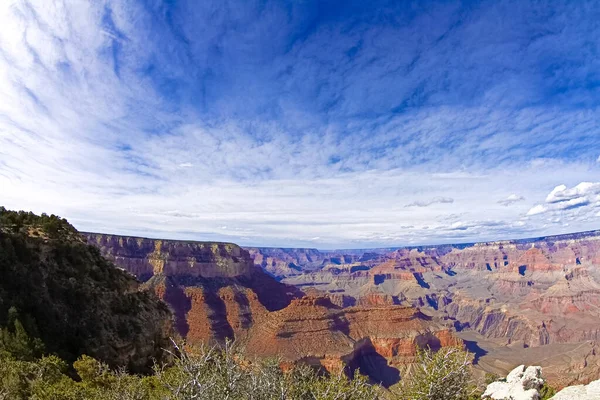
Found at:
(514, 297)
(72, 299)
(216, 292)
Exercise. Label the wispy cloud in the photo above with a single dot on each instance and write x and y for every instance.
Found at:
(511, 199)
(427, 203)
(276, 124)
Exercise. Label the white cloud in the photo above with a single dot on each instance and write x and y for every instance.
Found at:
(562, 193)
(584, 196)
(537, 209)
(511, 199)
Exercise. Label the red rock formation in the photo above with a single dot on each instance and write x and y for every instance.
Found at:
(315, 331)
(214, 289)
(534, 292)
(534, 260)
(148, 257)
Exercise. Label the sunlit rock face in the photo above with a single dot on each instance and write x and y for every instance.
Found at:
(148, 257)
(526, 383)
(522, 383)
(380, 340)
(590, 391)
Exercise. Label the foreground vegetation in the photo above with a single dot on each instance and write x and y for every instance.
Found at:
(207, 373)
(222, 373)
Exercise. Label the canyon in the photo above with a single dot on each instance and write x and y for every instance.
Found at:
(217, 292)
(532, 301)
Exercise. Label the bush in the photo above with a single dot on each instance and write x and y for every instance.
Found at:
(20, 221)
(212, 373)
(207, 373)
(15, 341)
(546, 392)
(442, 375)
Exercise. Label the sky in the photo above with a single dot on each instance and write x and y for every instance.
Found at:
(326, 124)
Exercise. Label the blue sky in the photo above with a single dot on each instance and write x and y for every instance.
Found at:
(307, 123)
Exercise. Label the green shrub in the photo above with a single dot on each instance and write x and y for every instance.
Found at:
(441, 375)
(546, 392)
(211, 373)
(207, 373)
(15, 341)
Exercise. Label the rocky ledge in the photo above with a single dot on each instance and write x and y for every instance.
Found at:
(527, 383)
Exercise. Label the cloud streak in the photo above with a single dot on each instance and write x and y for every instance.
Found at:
(511, 199)
(435, 200)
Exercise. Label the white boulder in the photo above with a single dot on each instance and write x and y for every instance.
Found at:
(580, 392)
(521, 384)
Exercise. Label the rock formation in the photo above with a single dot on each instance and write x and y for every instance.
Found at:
(580, 392)
(380, 341)
(511, 297)
(526, 383)
(520, 384)
(214, 289)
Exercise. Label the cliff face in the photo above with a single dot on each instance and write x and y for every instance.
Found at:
(148, 257)
(289, 262)
(214, 289)
(79, 302)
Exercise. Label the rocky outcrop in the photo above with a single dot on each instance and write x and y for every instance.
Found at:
(579, 392)
(527, 383)
(520, 384)
(215, 309)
